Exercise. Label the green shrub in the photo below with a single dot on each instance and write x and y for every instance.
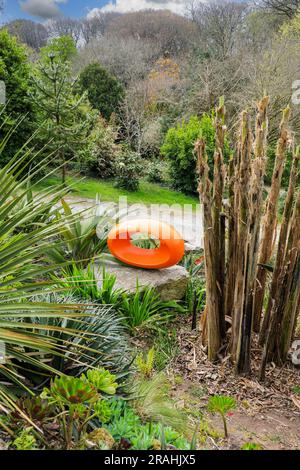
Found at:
(179, 145)
(271, 156)
(156, 172)
(99, 156)
(144, 308)
(140, 435)
(15, 72)
(129, 168)
(78, 401)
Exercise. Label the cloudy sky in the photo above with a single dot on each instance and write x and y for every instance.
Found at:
(45, 9)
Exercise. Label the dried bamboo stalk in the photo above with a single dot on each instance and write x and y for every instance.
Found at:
(245, 146)
(288, 208)
(217, 208)
(212, 293)
(270, 220)
(232, 237)
(279, 293)
(291, 286)
(256, 199)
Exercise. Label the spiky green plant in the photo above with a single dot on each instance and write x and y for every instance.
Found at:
(98, 339)
(145, 363)
(145, 309)
(83, 283)
(222, 404)
(82, 237)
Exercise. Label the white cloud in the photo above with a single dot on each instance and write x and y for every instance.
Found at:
(123, 6)
(45, 9)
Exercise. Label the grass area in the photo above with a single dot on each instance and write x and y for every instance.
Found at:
(148, 193)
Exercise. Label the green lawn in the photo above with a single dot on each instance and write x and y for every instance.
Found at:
(149, 193)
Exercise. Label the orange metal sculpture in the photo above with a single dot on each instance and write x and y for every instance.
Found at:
(169, 253)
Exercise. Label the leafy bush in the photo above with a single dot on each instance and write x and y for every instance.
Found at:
(156, 172)
(99, 155)
(129, 168)
(179, 145)
(77, 402)
(81, 413)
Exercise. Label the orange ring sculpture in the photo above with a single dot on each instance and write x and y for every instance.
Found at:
(169, 253)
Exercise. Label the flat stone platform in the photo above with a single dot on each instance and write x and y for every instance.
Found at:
(170, 283)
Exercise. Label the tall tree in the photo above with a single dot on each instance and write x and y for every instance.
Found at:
(218, 23)
(283, 7)
(65, 115)
(96, 25)
(105, 93)
(62, 47)
(65, 27)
